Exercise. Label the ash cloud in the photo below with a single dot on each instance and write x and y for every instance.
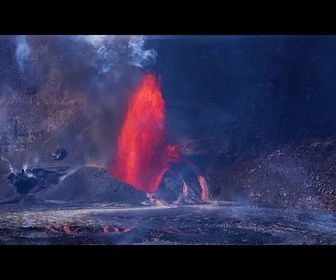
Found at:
(69, 91)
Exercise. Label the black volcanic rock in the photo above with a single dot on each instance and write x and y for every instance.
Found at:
(58, 153)
(36, 179)
(300, 175)
(92, 185)
(171, 187)
(22, 181)
(7, 190)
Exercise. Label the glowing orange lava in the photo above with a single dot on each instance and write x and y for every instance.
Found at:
(141, 154)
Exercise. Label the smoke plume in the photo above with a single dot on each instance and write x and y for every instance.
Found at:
(22, 51)
(69, 91)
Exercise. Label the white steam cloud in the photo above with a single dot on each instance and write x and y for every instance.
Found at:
(139, 56)
(8, 162)
(115, 50)
(22, 51)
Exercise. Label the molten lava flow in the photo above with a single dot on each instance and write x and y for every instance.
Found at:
(174, 156)
(68, 230)
(204, 187)
(141, 154)
(185, 187)
(119, 230)
(52, 229)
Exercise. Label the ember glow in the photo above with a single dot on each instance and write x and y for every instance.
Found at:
(204, 186)
(141, 154)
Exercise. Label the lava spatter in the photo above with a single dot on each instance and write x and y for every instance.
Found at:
(141, 155)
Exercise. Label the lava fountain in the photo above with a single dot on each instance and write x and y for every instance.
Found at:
(143, 155)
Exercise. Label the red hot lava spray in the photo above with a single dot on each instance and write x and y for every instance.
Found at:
(142, 150)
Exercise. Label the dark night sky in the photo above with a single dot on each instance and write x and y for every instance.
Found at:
(263, 87)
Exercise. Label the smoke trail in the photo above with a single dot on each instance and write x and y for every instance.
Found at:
(139, 56)
(114, 50)
(8, 162)
(22, 51)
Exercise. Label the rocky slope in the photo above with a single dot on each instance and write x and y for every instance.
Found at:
(299, 175)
